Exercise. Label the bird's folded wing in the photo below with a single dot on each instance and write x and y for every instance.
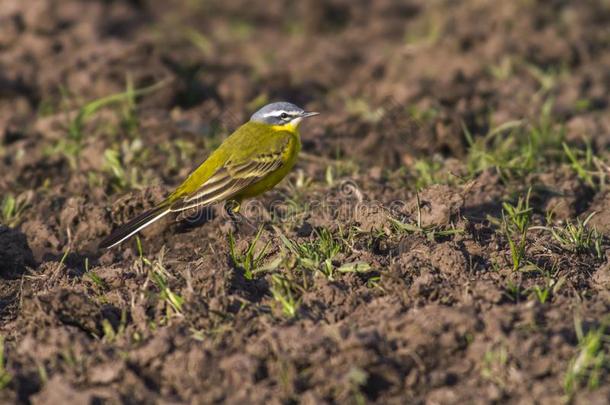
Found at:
(231, 179)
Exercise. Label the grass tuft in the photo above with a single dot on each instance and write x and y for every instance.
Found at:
(250, 261)
(578, 237)
(516, 148)
(586, 368)
(286, 292)
(318, 255)
(70, 147)
(5, 376)
(12, 208)
(173, 300)
(516, 220)
(117, 160)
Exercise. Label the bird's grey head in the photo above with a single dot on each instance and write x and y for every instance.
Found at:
(282, 113)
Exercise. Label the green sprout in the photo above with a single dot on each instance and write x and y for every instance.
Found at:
(71, 146)
(12, 209)
(318, 254)
(5, 376)
(590, 360)
(578, 237)
(286, 292)
(249, 261)
(515, 224)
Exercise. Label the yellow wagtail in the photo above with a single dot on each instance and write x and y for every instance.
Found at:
(249, 162)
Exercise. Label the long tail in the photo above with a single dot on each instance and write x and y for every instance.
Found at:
(130, 228)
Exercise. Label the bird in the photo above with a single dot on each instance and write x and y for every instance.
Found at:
(251, 161)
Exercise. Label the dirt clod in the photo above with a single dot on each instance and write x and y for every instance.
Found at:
(15, 254)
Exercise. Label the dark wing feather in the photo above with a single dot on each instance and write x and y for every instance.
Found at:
(130, 228)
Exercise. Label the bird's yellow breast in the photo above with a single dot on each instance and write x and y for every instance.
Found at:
(289, 159)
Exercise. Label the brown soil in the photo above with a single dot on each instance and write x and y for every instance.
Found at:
(435, 318)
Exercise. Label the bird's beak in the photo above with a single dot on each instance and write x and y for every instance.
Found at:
(309, 114)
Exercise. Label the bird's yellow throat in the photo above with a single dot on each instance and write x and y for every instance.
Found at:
(286, 127)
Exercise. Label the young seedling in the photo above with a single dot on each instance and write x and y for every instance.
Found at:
(71, 145)
(430, 232)
(286, 292)
(159, 276)
(588, 364)
(428, 171)
(142, 264)
(552, 283)
(512, 291)
(199, 40)
(516, 148)
(495, 363)
(12, 208)
(358, 378)
(178, 152)
(173, 300)
(541, 293)
(249, 261)
(515, 224)
(374, 282)
(318, 255)
(115, 161)
(5, 376)
(99, 284)
(42, 374)
(577, 237)
(582, 169)
(110, 335)
(354, 267)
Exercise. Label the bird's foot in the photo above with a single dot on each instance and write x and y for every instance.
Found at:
(238, 222)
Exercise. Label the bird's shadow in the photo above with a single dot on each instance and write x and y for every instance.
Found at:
(195, 219)
(76, 263)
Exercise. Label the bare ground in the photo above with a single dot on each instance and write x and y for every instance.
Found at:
(384, 270)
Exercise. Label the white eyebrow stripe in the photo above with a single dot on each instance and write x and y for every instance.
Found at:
(277, 113)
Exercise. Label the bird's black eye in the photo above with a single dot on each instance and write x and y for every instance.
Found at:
(284, 116)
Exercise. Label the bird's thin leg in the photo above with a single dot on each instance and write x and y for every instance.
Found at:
(232, 208)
